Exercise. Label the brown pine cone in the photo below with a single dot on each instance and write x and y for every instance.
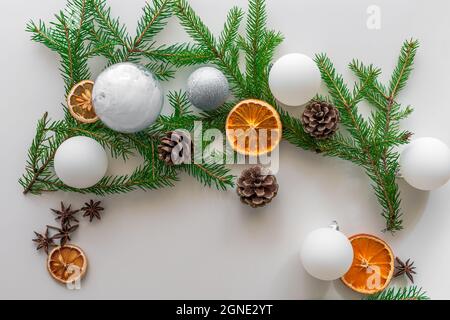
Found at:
(175, 148)
(257, 187)
(320, 119)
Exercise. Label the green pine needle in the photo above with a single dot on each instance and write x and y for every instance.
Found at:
(86, 29)
(407, 293)
(366, 142)
(373, 138)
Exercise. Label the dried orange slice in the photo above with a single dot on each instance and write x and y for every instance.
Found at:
(80, 104)
(253, 127)
(373, 265)
(67, 264)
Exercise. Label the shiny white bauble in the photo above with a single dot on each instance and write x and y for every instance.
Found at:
(294, 79)
(327, 254)
(425, 164)
(127, 97)
(80, 162)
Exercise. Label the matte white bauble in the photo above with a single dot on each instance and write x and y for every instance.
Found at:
(127, 97)
(425, 164)
(327, 254)
(294, 79)
(80, 162)
(208, 88)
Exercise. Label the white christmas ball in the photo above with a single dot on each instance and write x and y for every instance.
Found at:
(425, 164)
(327, 254)
(127, 97)
(208, 88)
(294, 79)
(80, 162)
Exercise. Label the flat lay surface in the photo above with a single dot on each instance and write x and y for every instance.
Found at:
(189, 242)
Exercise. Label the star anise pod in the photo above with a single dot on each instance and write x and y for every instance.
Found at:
(92, 210)
(66, 215)
(63, 233)
(43, 241)
(405, 268)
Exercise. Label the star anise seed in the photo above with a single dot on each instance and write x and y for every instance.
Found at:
(92, 210)
(66, 215)
(63, 233)
(43, 241)
(406, 268)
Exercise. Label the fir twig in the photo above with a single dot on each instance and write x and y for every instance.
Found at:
(371, 140)
(85, 29)
(381, 169)
(226, 61)
(210, 174)
(407, 293)
(66, 37)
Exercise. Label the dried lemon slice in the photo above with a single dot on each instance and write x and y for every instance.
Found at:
(80, 104)
(67, 264)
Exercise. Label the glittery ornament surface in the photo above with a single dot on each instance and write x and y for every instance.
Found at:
(127, 97)
(208, 88)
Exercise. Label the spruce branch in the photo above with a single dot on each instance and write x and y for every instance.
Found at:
(406, 293)
(256, 29)
(86, 29)
(66, 37)
(200, 33)
(211, 175)
(140, 179)
(217, 118)
(111, 39)
(113, 28)
(179, 55)
(294, 133)
(259, 47)
(404, 67)
(371, 141)
(40, 156)
(152, 22)
(230, 31)
(381, 172)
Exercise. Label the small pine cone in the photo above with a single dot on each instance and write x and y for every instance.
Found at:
(320, 119)
(175, 148)
(257, 187)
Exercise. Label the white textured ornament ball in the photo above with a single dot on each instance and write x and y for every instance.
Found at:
(294, 79)
(208, 88)
(127, 97)
(425, 164)
(327, 254)
(80, 162)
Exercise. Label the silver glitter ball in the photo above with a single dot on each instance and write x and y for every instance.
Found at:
(127, 97)
(208, 88)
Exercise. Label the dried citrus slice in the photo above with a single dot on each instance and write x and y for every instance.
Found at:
(373, 265)
(67, 264)
(80, 104)
(253, 127)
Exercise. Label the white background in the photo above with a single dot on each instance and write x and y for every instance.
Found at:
(189, 242)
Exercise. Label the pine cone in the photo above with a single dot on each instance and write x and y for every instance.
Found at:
(320, 119)
(175, 148)
(257, 187)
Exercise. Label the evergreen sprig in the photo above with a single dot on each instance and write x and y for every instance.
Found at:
(86, 29)
(407, 293)
(66, 36)
(366, 142)
(376, 137)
